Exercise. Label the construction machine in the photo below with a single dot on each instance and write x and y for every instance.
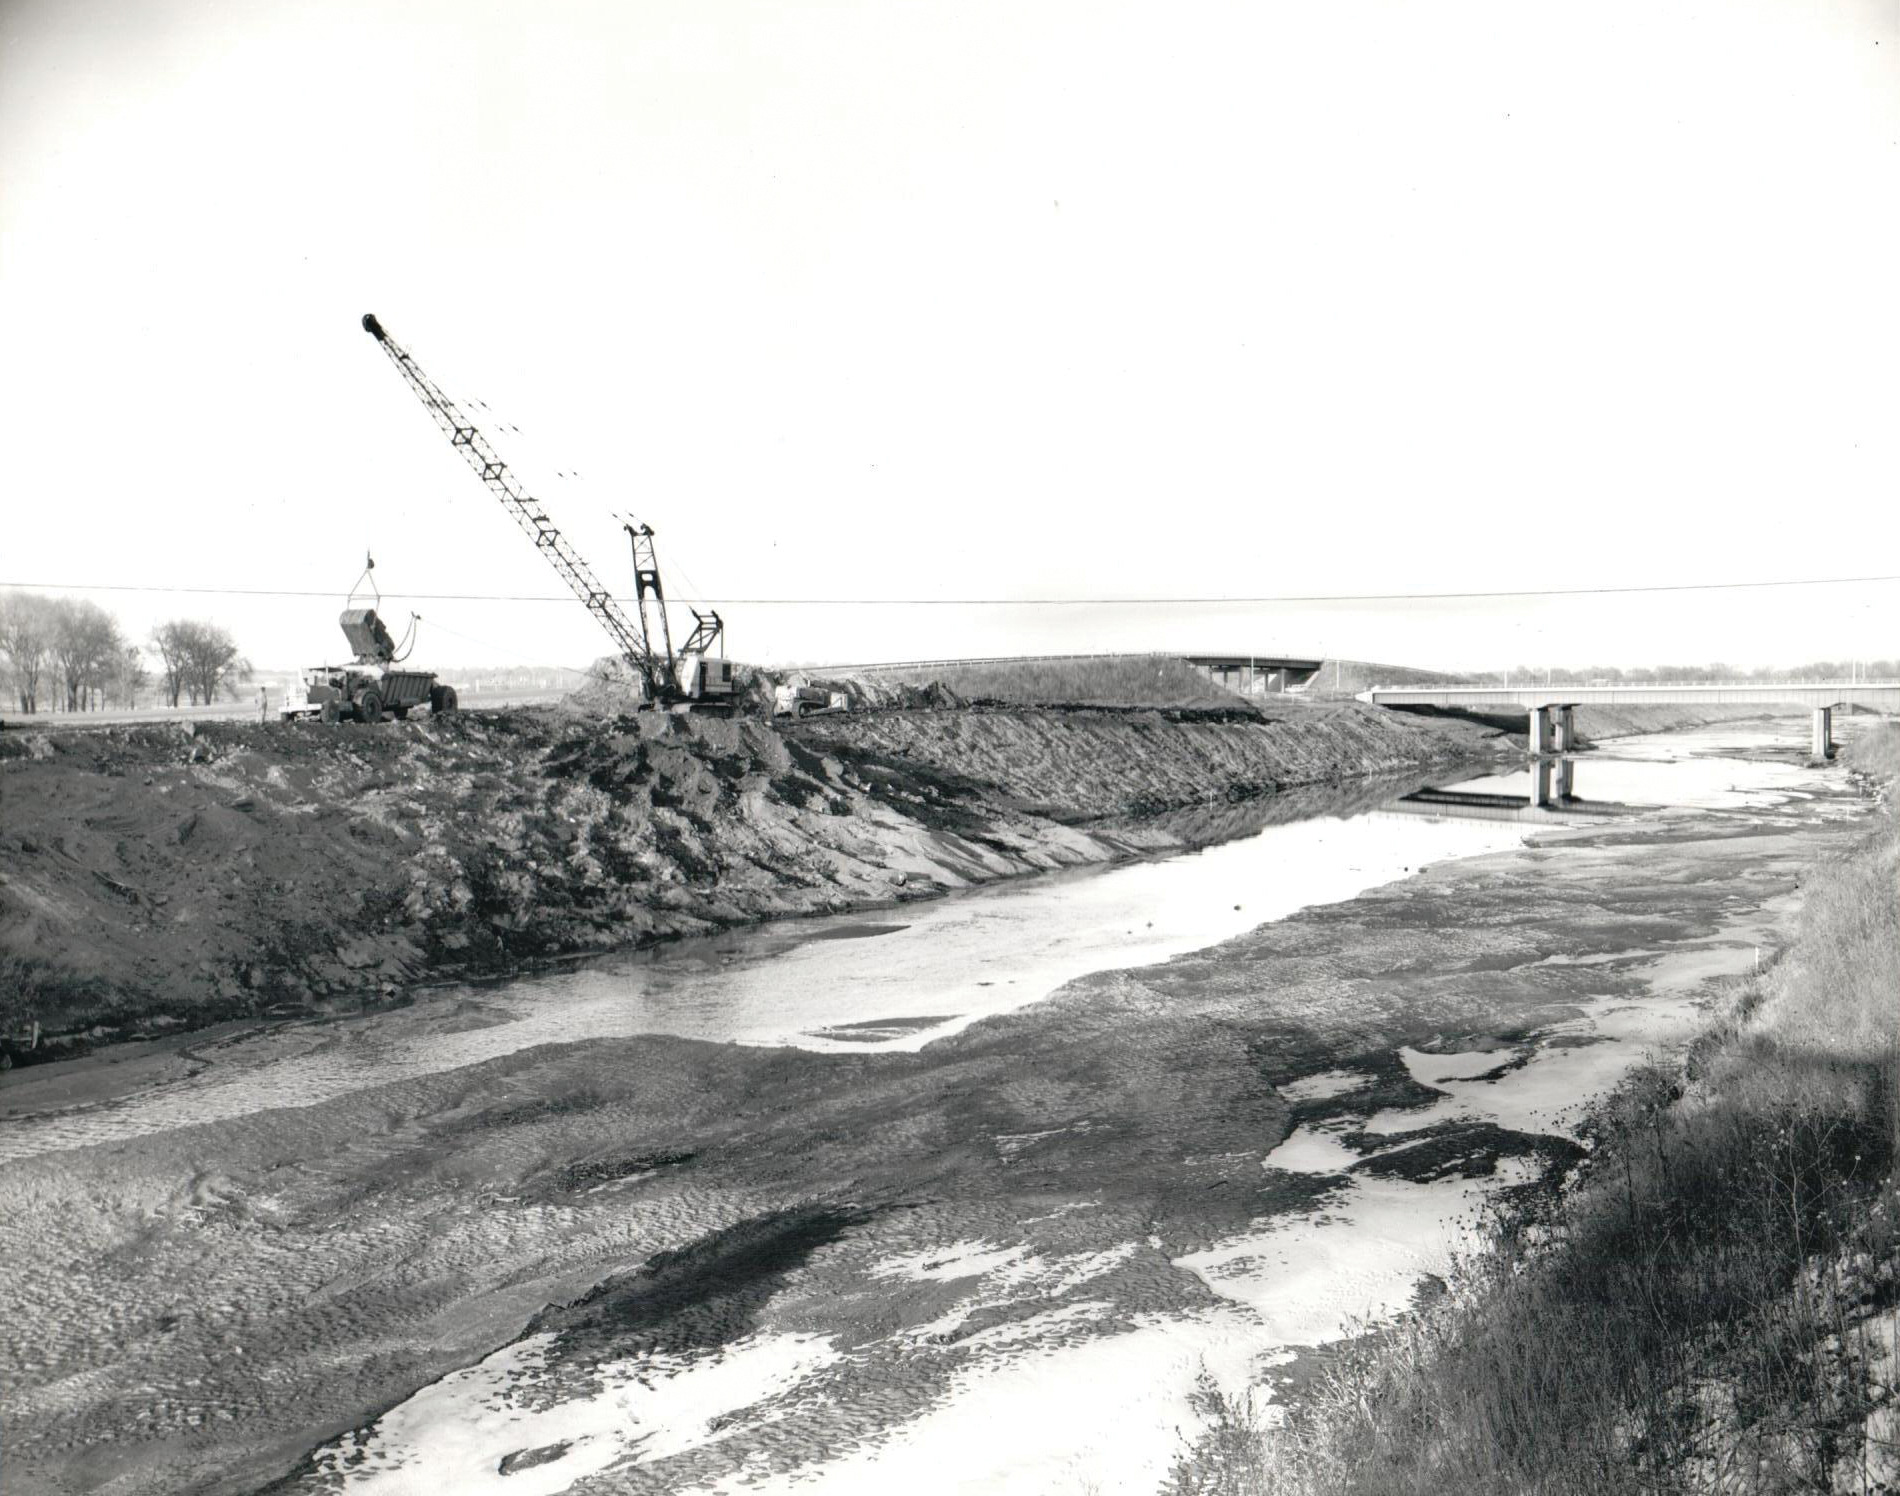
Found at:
(695, 674)
(794, 700)
(370, 686)
(691, 678)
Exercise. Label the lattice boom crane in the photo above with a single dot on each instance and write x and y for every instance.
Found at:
(694, 678)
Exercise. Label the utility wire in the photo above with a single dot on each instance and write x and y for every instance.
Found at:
(997, 602)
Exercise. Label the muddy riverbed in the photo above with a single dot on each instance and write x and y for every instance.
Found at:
(981, 1195)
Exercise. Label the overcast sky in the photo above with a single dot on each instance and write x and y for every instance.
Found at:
(973, 300)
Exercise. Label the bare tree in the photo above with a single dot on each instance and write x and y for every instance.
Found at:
(126, 676)
(200, 659)
(173, 643)
(216, 663)
(85, 642)
(26, 637)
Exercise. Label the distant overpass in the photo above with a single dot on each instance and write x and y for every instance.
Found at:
(1254, 675)
(1550, 706)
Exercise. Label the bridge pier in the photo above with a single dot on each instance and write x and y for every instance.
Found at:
(1540, 731)
(1553, 737)
(1823, 748)
(1553, 729)
(1564, 729)
(1553, 779)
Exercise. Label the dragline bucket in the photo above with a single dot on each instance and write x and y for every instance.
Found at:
(367, 636)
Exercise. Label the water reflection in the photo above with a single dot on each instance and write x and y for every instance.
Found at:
(1709, 770)
(1550, 795)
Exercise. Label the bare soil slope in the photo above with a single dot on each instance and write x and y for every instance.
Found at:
(1103, 680)
(1094, 764)
(158, 877)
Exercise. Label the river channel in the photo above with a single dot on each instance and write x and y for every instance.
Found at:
(986, 1193)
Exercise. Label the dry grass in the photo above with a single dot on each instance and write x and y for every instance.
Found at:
(1712, 1305)
(1227, 1459)
(1875, 752)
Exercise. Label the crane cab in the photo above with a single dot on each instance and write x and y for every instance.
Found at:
(703, 679)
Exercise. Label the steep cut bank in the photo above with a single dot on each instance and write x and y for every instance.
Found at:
(165, 877)
(1085, 765)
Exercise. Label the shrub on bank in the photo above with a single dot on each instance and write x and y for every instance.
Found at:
(1711, 1306)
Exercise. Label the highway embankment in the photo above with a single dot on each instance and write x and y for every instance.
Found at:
(163, 878)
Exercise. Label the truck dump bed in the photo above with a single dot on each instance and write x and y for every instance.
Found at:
(406, 687)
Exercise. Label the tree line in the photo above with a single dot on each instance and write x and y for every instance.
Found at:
(71, 654)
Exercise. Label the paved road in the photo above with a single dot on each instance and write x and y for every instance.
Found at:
(223, 711)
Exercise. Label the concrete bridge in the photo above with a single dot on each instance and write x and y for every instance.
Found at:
(1551, 707)
(1254, 675)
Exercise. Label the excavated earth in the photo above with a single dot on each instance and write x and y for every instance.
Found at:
(156, 878)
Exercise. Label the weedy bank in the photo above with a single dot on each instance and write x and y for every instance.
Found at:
(1710, 1306)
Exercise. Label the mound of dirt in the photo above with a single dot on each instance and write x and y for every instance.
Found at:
(612, 689)
(1081, 765)
(1091, 680)
(879, 693)
(159, 875)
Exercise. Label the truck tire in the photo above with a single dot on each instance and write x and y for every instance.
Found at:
(442, 699)
(369, 707)
(330, 713)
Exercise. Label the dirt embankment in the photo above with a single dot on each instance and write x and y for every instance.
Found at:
(1089, 765)
(160, 877)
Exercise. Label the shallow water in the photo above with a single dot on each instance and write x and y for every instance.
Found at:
(902, 978)
(1689, 771)
(893, 981)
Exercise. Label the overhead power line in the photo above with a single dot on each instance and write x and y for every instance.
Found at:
(995, 602)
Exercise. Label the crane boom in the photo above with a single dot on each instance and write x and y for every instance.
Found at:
(629, 637)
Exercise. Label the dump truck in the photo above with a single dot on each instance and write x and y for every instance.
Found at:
(371, 686)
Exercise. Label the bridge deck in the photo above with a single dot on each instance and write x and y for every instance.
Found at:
(1880, 696)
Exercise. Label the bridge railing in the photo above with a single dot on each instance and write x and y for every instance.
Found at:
(1632, 685)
